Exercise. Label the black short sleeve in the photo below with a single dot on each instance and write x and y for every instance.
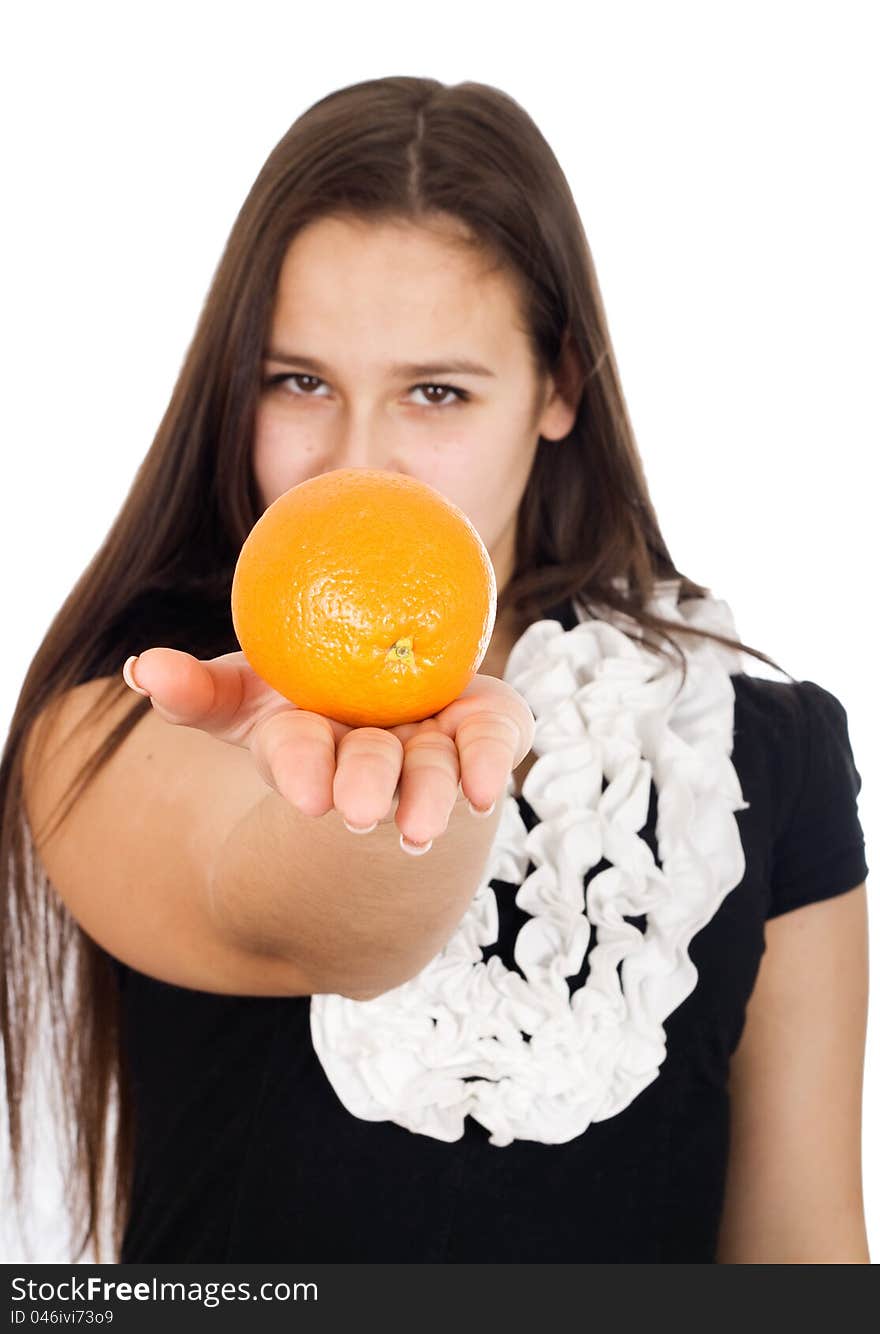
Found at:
(820, 851)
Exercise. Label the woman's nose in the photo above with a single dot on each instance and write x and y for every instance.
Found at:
(362, 441)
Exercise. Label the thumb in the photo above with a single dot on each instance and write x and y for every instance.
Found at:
(181, 688)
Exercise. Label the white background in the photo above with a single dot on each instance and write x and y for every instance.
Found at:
(723, 157)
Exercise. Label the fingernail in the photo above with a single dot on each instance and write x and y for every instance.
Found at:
(363, 829)
(128, 676)
(415, 849)
(481, 815)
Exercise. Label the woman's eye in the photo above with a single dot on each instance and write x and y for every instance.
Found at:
(445, 389)
(283, 379)
(429, 399)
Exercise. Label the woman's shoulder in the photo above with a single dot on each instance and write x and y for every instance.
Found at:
(799, 732)
(801, 724)
(782, 704)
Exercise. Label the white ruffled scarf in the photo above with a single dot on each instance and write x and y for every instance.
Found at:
(450, 1042)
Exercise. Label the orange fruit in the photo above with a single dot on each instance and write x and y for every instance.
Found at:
(364, 596)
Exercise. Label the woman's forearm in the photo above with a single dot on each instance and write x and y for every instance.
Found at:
(353, 913)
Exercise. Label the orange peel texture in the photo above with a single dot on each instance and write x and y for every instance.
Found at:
(365, 596)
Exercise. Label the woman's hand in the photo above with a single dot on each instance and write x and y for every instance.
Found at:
(318, 764)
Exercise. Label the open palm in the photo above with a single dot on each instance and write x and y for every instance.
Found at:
(319, 764)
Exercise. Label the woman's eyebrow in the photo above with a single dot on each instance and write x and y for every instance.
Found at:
(445, 366)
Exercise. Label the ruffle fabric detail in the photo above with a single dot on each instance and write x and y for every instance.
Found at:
(451, 1042)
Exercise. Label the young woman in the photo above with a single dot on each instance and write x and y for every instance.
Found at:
(619, 1017)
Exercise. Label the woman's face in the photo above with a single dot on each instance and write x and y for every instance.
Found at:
(368, 324)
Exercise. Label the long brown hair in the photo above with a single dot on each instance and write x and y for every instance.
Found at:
(383, 149)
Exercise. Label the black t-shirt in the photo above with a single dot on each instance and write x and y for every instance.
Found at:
(245, 1153)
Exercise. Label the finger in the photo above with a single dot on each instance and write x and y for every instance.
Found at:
(186, 691)
(487, 694)
(222, 696)
(368, 763)
(295, 753)
(489, 744)
(428, 786)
